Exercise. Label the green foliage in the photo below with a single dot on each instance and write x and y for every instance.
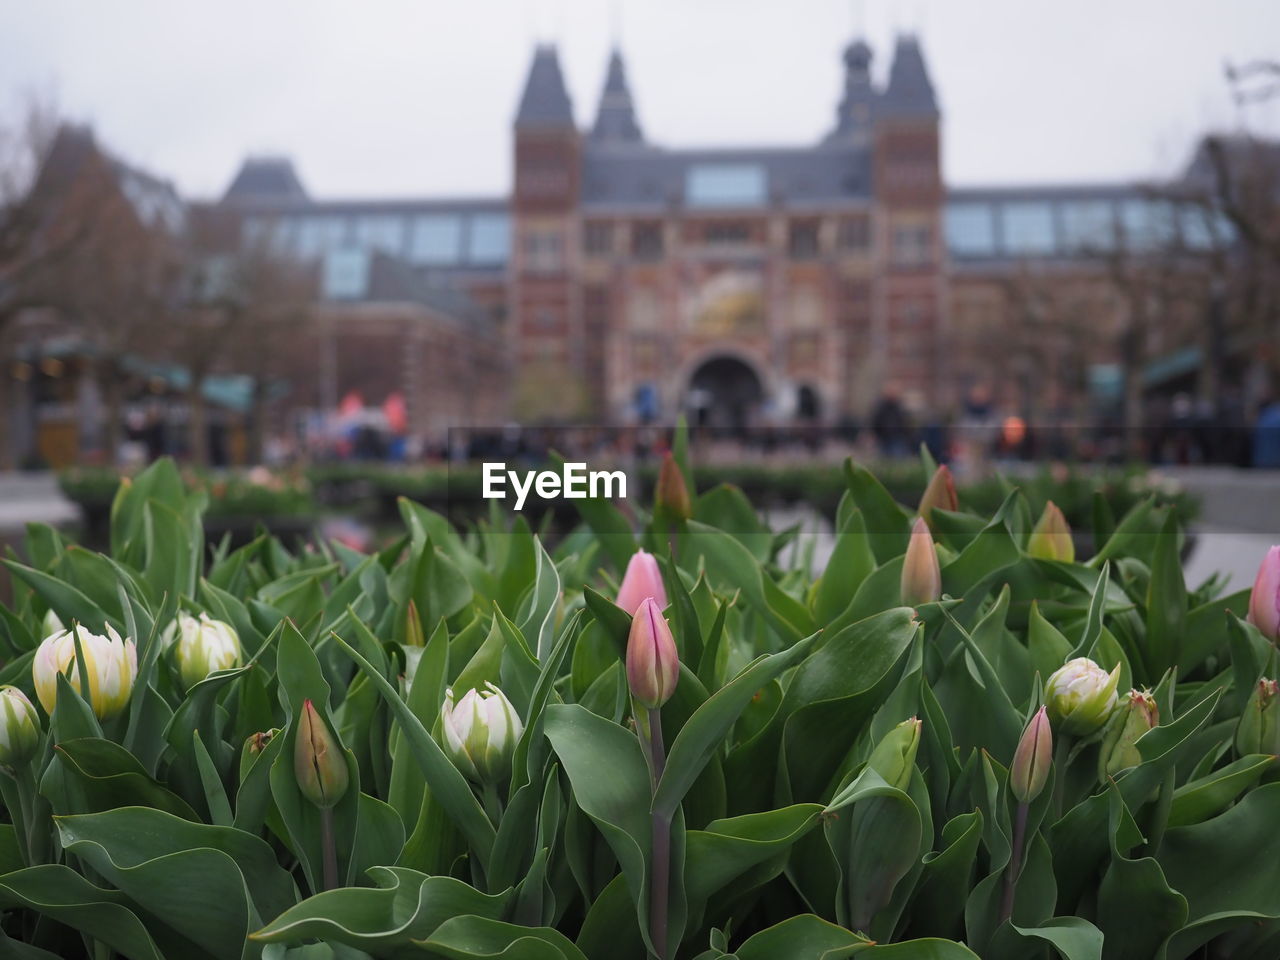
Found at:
(796, 816)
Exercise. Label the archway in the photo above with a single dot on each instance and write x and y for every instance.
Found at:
(724, 393)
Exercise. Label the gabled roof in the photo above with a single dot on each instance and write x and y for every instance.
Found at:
(616, 117)
(909, 93)
(545, 102)
(266, 178)
(794, 176)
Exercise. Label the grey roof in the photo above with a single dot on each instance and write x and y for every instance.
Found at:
(909, 92)
(649, 177)
(271, 178)
(545, 101)
(853, 113)
(616, 117)
(1049, 191)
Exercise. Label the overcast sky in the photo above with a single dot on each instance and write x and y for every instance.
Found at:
(415, 97)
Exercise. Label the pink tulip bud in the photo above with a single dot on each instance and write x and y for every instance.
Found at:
(940, 493)
(653, 664)
(1264, 602)
(1032, 759)
(921, 576)
(1051, 538)
(642, 579)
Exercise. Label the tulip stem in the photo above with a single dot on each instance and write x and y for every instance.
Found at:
(1015, 862)
(492, 804)
(330, 849)
(659, 887)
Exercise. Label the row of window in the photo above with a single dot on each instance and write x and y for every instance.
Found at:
(429, 239)
(599, 238)
(1066, 227)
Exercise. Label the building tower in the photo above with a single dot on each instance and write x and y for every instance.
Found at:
(616, 121)
(853, 114)
(909, 196)
(545, 334)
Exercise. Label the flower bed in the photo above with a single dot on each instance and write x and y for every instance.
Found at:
(658, 740)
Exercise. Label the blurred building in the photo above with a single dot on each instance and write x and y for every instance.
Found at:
(632, 281)
(624, 281)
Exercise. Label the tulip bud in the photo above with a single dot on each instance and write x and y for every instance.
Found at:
(19, 727)
(1134, 717)
(940, 493)
(480, 733)
(921, 576)
(1051, 537)
(202, 647)
(1080, 696)
(894, 757)
(52, 624)
(1032, 759)
(1264, 601)
(413, 635)
(671, 496)
(642, 579)
(257, 742)
(653, 664)
(1259, 729)
(318, 761)
(112, 664)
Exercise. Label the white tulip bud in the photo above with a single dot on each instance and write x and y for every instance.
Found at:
(480, 733)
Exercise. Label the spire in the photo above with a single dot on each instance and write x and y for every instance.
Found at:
(909, 93)
(545, 102)
(853, 115)
(616, 117)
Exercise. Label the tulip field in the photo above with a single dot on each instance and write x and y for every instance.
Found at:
(665, 735)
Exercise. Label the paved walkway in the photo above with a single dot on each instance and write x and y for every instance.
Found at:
(32, 498)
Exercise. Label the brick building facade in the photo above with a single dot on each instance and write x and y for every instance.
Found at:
(628, 281)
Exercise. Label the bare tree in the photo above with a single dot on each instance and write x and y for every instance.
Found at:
(245, 306)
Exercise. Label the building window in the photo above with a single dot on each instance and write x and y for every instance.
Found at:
(646, 241)
(345, 275)
(1027, 228)
(316, 236)
(805, 308)
(726, 233)
(725, 185)
(854, 234)
(1087, 225)
(911, 245)
(802, 242)
(543, 250)
(489, 240)
(644, 310)
(597, 239)
(380, 232)
(971, 230)
(436, 239)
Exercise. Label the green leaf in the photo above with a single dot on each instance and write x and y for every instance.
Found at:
(405, 905)
(158, 860)
(702, 735)
(1074, 938)
(58, 892)
(804, 937)
(474, 938)
(1208, 796)
(1166, 601)
(110, 776)
(851, 562)
(447, 785)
